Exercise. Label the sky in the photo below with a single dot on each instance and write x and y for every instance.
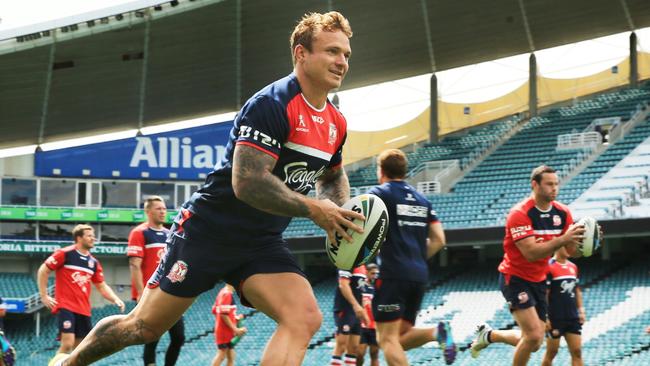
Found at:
(396, 102)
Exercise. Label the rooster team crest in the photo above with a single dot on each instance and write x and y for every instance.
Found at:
(332, 135)
(178, 272)
(557, 220)
(91, 264)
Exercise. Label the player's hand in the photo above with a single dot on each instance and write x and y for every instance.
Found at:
(120, 304)
(240, 331)
(574, 235)
(49, 302)
(582, 316)
(334, 219)
(360, 312)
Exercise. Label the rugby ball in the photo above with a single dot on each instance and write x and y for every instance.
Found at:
(364, 246)
(591, 241)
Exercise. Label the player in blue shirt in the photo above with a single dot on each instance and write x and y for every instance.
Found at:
(286, 140)
(565, 311)
(414, 235)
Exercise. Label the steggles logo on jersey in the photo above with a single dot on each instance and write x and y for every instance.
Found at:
(299, 179)
(568, 287)
(178, 272)
(80, 279)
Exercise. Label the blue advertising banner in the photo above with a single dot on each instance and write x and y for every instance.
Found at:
(182, 154)
(14, 305)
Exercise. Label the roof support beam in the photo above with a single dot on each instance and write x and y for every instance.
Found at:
(529, 34)
(433, 87)
(46, 94)
(238, 58)
(145, 68)
(427, 32)
(628, 17)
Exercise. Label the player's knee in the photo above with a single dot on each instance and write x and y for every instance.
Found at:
(551, 353)
(307, 322)
(576, 354)
(534, 341)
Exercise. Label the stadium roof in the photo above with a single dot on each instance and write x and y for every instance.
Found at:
(212, 55)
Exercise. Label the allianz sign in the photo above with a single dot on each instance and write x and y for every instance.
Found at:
(174, 152)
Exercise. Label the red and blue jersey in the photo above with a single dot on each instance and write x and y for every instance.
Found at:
(149, 244)
(525, 220)
(404, 254)
(358, 283)
(304, 141)
(563, 281)
(367, 296)
(74, 272)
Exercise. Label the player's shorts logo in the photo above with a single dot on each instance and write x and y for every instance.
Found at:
(178, 272)
(67, 324)
(523, 297)
(346, 328)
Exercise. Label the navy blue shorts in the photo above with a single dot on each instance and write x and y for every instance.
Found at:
(561, 327)
(225, 346)
(347, 323)
(368, 336)
(70, 322)
(195, 259)
(522, 294)
(397, 299)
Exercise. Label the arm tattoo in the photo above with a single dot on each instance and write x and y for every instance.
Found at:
(256, 185)
(334, 186)
(109, 336)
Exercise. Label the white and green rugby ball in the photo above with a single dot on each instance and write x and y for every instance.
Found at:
(591, 241)
(364, 246)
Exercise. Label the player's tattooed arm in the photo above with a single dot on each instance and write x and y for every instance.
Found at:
(334, 186)
(255, 184)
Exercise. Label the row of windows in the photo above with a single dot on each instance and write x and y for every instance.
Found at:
(85, 193)
(61, 231)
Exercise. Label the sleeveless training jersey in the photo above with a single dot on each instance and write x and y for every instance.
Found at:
(303, 140)
(563, 281)
(74, 272)
(403, 255)
(357, 280)
(224, 304)
(525, 220)
(149, 244)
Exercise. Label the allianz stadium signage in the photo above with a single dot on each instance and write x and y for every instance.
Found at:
(187, 154)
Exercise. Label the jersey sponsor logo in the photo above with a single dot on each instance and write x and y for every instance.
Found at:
(80, 279)
(523, 297)
(248, 132)
(568, 287)
(411, 210)
(178, 272)
(519, 231)
(299, 179)
(409, 197)
(332, 134)
(557, 220)
(301, 121)
(318, 119)
(411, 223)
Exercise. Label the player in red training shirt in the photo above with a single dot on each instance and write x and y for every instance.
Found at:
(368, 332)
(147, 243)
(75, 269)
(225, 326)
(535, 228)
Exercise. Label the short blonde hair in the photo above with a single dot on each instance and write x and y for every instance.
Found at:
(150, 200)
(79, 231)
(312, 23)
